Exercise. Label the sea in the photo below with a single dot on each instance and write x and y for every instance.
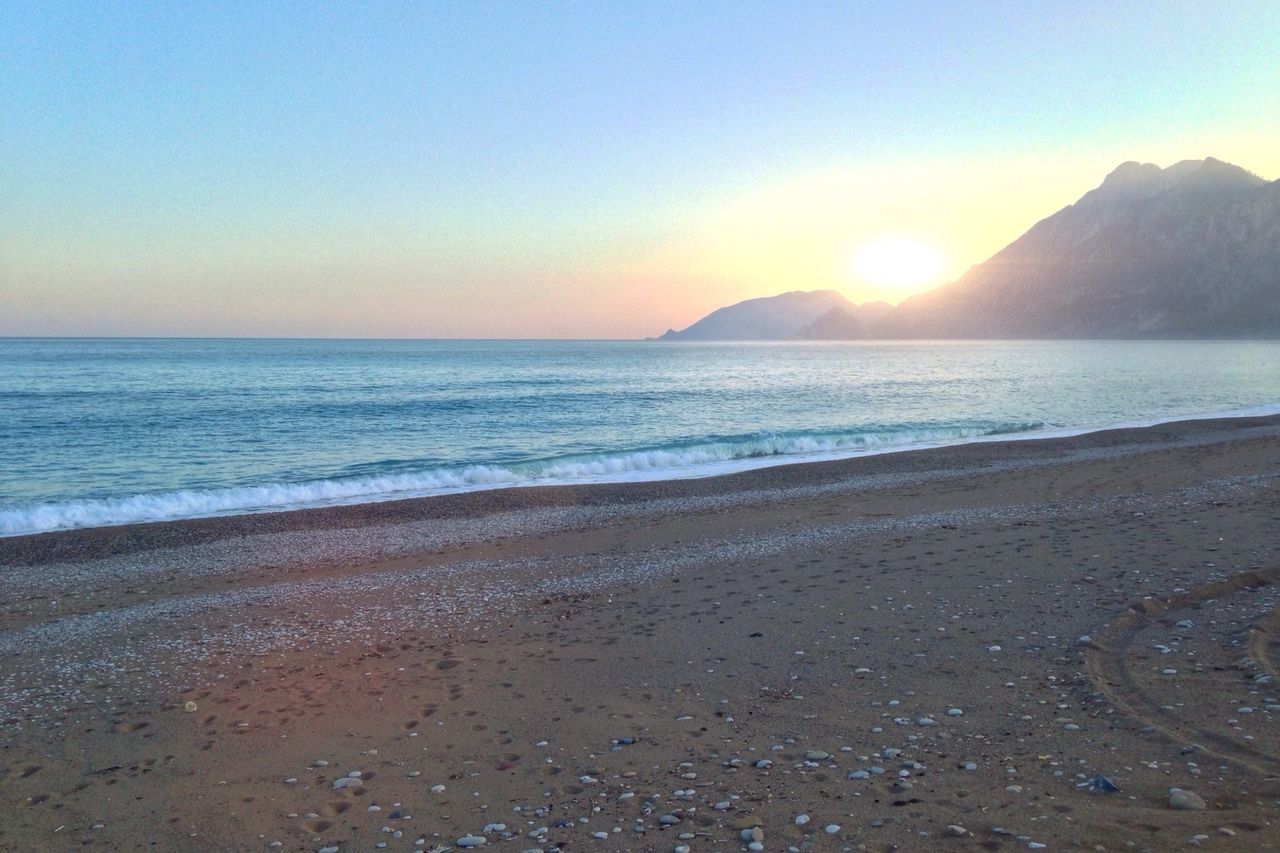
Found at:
(98, 432)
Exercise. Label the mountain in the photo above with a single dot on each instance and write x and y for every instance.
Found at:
(769, 318)
(1192, 250)
(841, 323)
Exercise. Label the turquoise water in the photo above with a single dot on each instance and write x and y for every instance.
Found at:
(96, 432)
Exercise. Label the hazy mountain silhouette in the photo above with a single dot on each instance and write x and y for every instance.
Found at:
(1188, 251)
(768, 318)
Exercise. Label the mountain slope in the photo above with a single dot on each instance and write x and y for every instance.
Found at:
(768, 318)
(1193, 249)
(842, 323)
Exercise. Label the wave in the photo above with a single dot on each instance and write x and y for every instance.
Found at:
(686, 459)
(695, 458)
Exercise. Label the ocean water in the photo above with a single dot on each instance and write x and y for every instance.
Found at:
(96, 432)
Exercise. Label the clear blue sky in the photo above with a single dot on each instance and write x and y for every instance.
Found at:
(411, 169)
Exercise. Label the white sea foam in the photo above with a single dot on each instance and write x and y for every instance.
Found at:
(695, 460)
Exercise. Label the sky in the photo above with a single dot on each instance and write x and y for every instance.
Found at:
(571, 170)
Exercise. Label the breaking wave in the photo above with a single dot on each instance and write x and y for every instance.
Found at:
(676, 461)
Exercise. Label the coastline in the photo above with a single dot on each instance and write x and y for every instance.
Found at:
(763, 452)
(824, 618)
(31, 547)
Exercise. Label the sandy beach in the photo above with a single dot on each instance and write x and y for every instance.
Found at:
(921, 650)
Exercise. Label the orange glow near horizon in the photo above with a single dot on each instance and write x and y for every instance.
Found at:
(605, 280)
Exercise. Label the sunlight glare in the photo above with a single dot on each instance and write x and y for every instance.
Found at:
(897, 262)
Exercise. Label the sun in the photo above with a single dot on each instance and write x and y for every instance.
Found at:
(896, 263)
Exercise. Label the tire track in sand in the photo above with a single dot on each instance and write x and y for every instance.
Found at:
(1107, 666)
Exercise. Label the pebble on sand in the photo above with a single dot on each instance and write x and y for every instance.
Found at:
(1187, 801)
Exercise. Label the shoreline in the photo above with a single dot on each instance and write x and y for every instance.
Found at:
(693, 471)
(48, 544)
(647, 665)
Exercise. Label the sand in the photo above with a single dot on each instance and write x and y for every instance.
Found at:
(922, 650)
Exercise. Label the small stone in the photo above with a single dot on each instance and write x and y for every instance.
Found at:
(347, 782)
(1099, 785)
(1186, 801)
(816, 755)
(190, 707)
(802, 819)
(831, 828)
(955, 830)
(955, 712)
(471, 841)
(437, 789)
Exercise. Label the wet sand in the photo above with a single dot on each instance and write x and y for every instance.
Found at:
(912, 651)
